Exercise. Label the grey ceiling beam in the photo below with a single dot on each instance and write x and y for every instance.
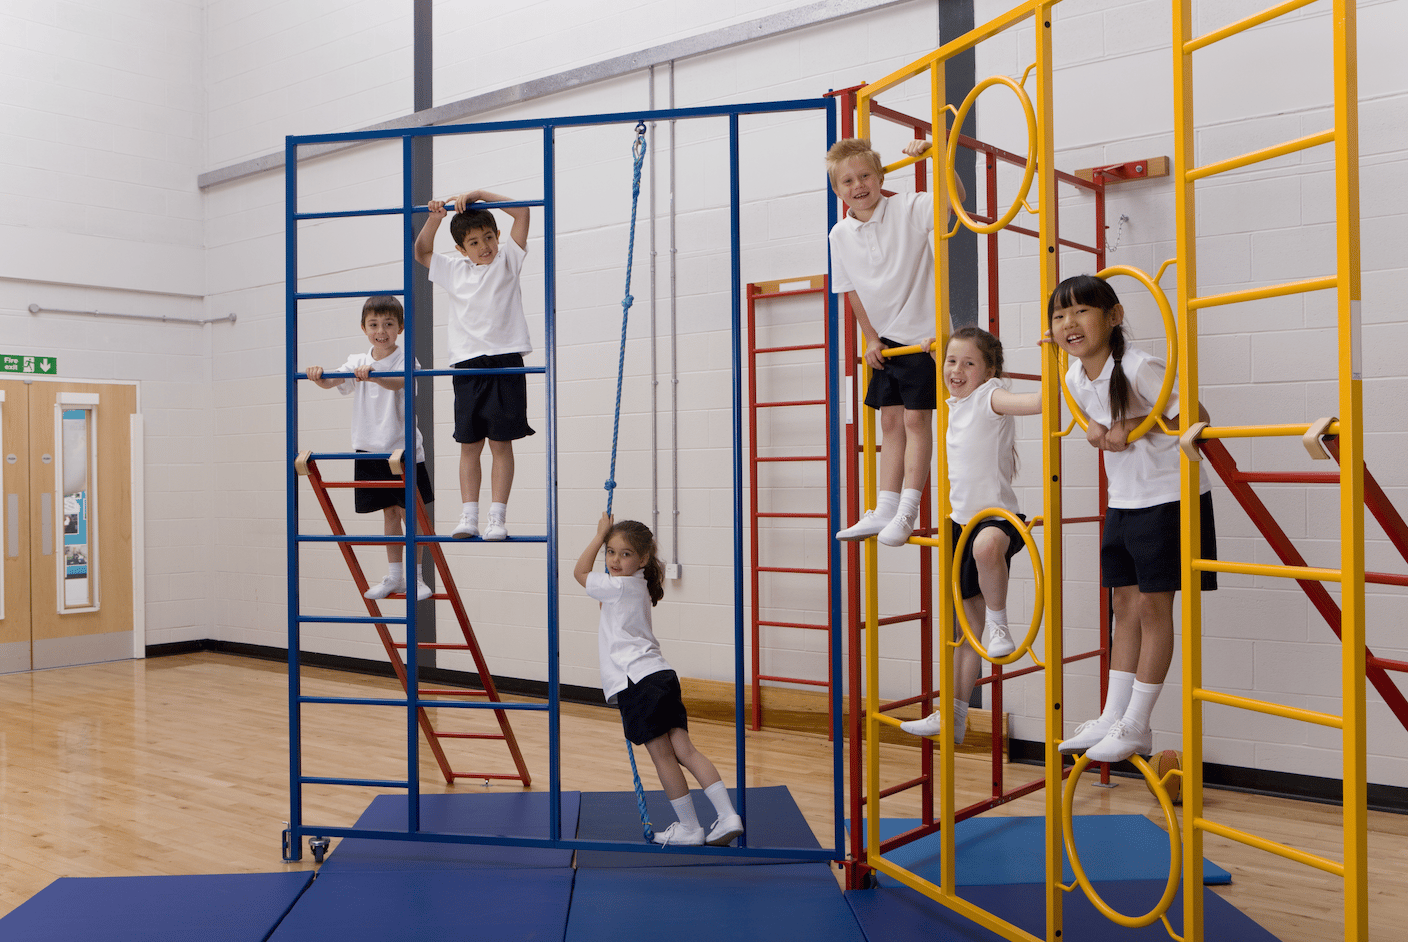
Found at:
(777, 24)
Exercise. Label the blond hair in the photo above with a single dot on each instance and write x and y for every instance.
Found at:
(849, 147)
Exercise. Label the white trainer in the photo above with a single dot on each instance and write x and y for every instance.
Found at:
(867, 526)
(385, 587)
(724, 830)
(495, 530)
(422, 590)
(680, 834)
(1122, 741)
(897, 531)
(932, 725)
(1086, 735)
(467, 528)
(997, 640)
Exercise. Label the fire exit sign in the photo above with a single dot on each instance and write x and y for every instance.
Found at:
(10, 363)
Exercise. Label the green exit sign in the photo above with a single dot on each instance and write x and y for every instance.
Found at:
(10, 363)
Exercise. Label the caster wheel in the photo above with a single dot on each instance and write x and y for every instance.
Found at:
(319, 847)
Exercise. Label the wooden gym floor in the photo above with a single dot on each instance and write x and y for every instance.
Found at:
(179, 765)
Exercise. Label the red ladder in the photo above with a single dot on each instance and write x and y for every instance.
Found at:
(757, 291)
(308, 467)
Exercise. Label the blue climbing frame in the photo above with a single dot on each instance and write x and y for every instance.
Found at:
(297, 829)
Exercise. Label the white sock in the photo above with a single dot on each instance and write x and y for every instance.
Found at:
(998, 616)
(886, 502)
(470, 508)
(498, 511)
(1141, 704)
(718, 794)
(684, 810)
(960, 717)
(909, 501)
(396, 571)
(1117, 695)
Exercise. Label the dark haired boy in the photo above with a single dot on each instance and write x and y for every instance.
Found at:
(487, 331)
(378, 414)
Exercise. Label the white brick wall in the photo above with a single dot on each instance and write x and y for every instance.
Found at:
(112, 109)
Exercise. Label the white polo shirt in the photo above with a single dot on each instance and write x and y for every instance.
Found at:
(378, 413)
(981, 460)
(888, 261)
(486, 303)
(626, 644)
(1146, 473)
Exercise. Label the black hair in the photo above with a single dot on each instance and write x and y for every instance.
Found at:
(641, 540)
(1089, 291)
(462, 224)
(384, 304)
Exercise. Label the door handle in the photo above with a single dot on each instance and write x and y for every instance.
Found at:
(46, 523)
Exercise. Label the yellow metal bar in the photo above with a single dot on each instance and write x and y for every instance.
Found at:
(1272, 847)
(1270, 291)
(1351, 414)
(1186, 288)
(1044, 153)
(1242, 26)
(1263, 431)
(1315, 574)
(1270, 709)
(1266, 153)
(962, 44)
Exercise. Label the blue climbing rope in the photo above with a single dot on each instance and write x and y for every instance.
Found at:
(638, 150)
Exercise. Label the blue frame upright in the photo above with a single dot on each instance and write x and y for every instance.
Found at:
(297, 829)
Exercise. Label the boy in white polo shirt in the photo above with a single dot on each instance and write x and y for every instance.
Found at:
(882, 261)
(378, 425)
(487, 331)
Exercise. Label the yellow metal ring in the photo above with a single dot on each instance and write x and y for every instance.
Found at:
(1170, 355)
(1037, 607)
(952, 154)
(1175, 846)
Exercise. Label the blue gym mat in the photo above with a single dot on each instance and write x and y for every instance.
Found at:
(899, 914)
(707, 904)
(772, 819)
(994, 849)
(507, 814)
(523, 906)
(236, 907)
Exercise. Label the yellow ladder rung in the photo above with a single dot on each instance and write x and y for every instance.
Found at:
(1241, 26)
(1270, 709)
(1266, 153)
(1312, 573)
(1270, 291)
(1261, 843)
(1263, 431)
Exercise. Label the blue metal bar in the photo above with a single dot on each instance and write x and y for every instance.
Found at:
(348, 620)
(637, 847)
(295, 748)
(408, 427)
(399, 210)
(383, 540)
(367, 782)
(578, 121)
(550, 405)
(834, 422)
(497, 371)
(456, 704)
(314, 295)
(740, 681)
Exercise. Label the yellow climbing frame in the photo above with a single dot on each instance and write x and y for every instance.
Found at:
(1345, 283)
(1037, 104)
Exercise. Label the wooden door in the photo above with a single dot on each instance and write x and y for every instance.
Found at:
(68, 517)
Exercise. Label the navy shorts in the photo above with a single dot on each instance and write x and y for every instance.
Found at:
(493, 407)
(1141, 547)
(370, 499)
(909, 380)
(968, 575)
(652, 707)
